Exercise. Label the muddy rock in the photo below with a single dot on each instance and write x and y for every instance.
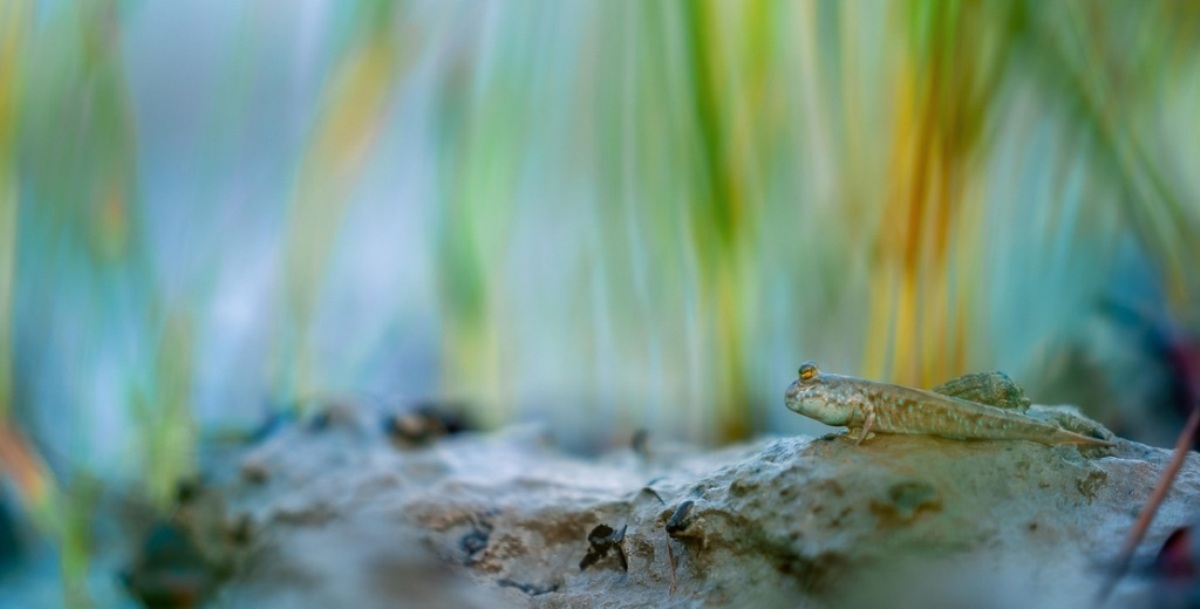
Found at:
(341, 517)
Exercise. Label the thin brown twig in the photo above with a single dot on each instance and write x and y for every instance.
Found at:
(1182, 447)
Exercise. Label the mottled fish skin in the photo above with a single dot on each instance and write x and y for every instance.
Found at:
(845, 400)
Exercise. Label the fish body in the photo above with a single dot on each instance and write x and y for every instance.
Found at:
(865, 406)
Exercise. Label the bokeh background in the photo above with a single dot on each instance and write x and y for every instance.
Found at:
(606, 215)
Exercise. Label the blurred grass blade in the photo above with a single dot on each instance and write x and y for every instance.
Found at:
(15, 18)
(353, 113)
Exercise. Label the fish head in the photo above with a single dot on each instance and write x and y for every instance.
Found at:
(815, 395)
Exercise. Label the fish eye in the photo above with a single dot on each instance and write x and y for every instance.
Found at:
(808, 371)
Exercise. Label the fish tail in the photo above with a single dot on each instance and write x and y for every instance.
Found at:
(1070, 437)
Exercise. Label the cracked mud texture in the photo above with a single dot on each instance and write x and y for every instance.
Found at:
(339, 516)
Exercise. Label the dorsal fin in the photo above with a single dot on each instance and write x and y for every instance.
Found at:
(991, 388)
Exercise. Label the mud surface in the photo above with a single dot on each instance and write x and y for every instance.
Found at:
(342, 516)
(350, 510)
